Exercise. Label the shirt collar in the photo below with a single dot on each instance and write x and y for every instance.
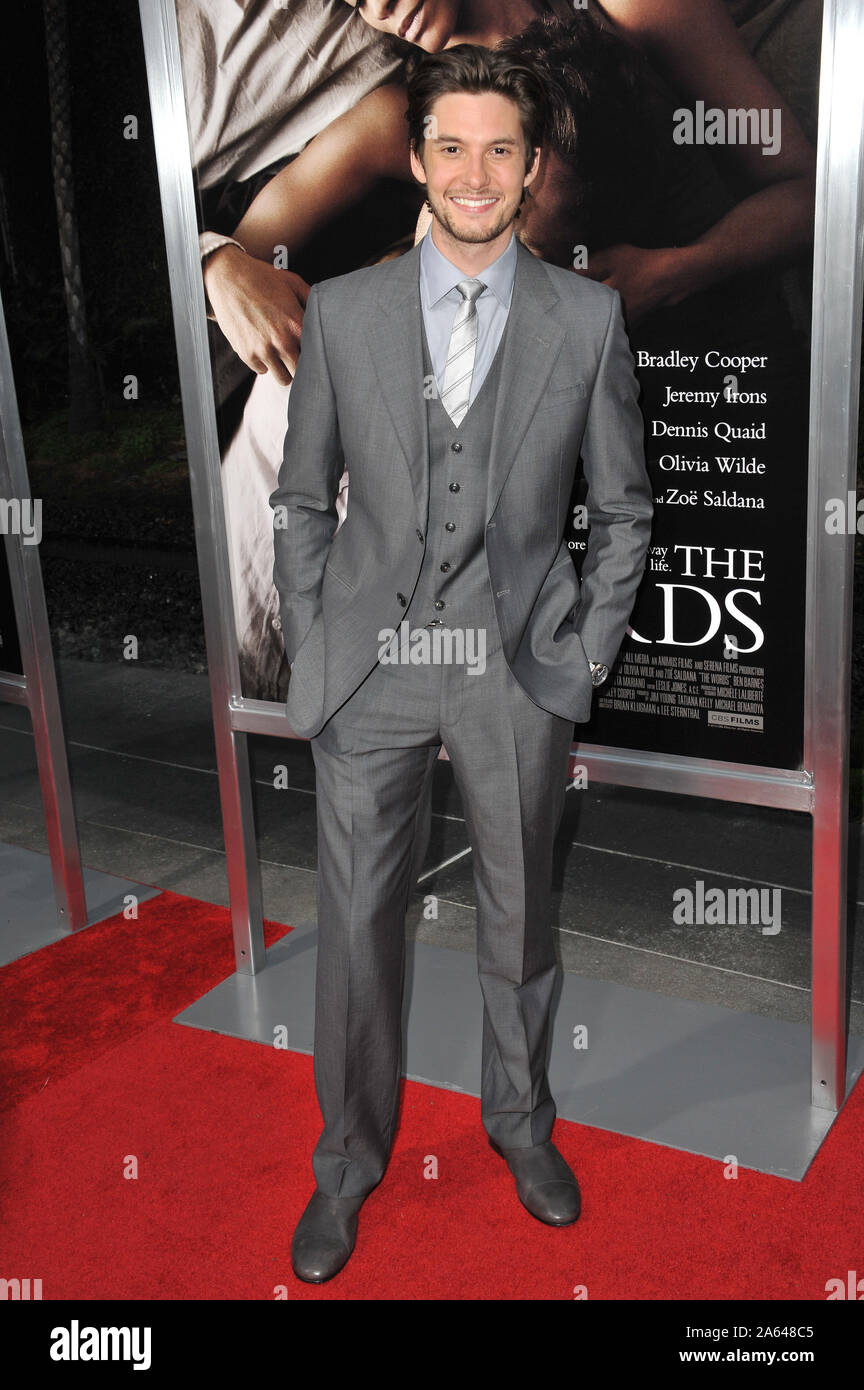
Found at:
(439, 276)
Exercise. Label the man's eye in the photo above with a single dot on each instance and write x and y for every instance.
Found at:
(496, 149)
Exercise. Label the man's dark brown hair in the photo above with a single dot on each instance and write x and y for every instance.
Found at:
(468, 68)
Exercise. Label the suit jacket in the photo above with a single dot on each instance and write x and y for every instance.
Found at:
(566, 387)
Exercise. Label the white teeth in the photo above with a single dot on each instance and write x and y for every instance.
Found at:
(475, 202)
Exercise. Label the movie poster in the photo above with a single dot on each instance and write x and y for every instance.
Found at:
(679, 169)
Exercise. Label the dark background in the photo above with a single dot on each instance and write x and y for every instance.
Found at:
(118, 541)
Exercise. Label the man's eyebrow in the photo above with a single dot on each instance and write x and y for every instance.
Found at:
(455, 139)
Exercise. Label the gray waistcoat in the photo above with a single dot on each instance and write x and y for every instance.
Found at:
(457, 495)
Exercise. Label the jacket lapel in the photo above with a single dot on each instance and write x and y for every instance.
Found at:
(396, 349)
(531, 345)
(532, 342)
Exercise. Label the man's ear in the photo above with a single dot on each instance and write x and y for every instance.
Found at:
(417, 168)
(531, 172)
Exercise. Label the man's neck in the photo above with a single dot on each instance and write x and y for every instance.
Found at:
(470, 256)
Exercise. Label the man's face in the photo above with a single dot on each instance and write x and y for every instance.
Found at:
(474, 164)
(428, 23)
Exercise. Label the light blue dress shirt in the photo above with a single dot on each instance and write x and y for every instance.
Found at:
(440, 299)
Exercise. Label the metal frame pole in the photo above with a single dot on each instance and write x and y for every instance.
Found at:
(37, 688)
(835, 358)
(174, 164)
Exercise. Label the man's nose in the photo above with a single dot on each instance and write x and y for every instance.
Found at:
(478, 174)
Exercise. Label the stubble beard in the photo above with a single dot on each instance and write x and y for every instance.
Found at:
(465, 232)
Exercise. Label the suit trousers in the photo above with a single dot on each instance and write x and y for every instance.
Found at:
(374, 760)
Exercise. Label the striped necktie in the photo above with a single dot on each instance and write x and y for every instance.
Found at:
(456, 387)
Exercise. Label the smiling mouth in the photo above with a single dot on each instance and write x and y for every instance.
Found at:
(475, 204)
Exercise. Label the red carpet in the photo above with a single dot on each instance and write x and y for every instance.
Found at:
(221, 1133)
(65, 1005)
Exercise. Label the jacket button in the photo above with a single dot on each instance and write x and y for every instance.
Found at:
(419, 535)
(449, 525)
(454, 487)
(402, 599)
(445, 567)
(439, 603)
(457, 447)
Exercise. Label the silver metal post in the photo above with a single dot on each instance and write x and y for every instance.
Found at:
(165, 80)
(835, 358)
(37, 689)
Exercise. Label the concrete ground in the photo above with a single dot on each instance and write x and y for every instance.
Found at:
(144, 778)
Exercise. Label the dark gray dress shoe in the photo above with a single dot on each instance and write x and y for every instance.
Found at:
(545, 1183)
(325, 1237)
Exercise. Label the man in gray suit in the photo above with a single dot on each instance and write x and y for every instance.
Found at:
(459, 385)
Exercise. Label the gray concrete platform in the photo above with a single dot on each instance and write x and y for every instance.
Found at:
(688, 1075)
(28, 908)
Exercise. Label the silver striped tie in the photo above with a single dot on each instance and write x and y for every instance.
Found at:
(456, 387)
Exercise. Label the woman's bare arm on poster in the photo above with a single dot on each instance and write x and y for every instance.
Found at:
(344, 160)
(259, 307)
(695, 44)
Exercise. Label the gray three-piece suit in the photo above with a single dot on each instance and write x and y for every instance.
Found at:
(465, 526)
